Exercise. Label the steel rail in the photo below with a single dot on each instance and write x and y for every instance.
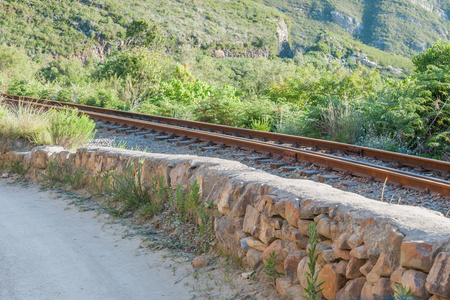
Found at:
(401, 159)
(321, 159)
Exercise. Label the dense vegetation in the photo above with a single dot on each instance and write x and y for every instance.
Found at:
(306, 95)
(74, 27)
(227, 62)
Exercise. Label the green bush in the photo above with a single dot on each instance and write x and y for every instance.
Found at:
(70, 129)
(221, 110)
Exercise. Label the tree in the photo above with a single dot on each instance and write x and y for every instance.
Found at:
(437, 55)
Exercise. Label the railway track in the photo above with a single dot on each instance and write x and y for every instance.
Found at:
(399, 169)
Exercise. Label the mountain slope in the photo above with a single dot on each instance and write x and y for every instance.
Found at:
(230, 28)
(404, 27)
(73, 27)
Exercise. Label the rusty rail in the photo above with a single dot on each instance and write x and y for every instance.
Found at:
(353, 167)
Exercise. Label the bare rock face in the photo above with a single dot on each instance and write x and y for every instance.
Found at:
(352, 289)
(417, 255)
(254, 258)
(291, 264)
(289, 291)
(333, 281)
(346, 22)
(40, 156)
(353, 268)
(438, 280)
(360, 252)
(416, 281)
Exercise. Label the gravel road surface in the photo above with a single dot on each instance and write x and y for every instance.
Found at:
(49, 250)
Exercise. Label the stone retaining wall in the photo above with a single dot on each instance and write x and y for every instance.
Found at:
(366, 247)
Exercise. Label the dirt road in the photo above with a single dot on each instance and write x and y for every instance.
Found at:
(49, 250)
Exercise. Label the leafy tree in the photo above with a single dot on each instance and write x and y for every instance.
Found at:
(437, 55)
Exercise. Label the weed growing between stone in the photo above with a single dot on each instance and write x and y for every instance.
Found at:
(270, 268)
(180, 211)
(402, 293)
(63, 175)
(312, 275)
(15, 167)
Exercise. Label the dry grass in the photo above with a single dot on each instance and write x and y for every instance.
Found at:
(45, 127)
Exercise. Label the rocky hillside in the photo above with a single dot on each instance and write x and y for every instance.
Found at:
(259, 28)
(404, 27)
(242, 28)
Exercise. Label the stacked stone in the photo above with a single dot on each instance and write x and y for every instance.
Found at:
(364, 258)
(366, 248)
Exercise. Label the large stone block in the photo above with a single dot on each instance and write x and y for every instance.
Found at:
(342, 242)
(292, 234)
(352, 289)
(291, 264)
(254, 258)
(385, 265)
(366, 268)
(360, 252)
(251, 221)
(40, 156)
(344, 254)
(276, 249)
(324, 227)
(353, 267)
(382, 289)
(333, 281)
(417, 255)
(438, 280)
(255, 244)
(302, 269)
(415, 280)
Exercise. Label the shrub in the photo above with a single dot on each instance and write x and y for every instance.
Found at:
(220, 110)
(341, 122)
(70, 129)
(64, 127)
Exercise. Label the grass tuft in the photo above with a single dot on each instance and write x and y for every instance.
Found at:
(66, 127)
